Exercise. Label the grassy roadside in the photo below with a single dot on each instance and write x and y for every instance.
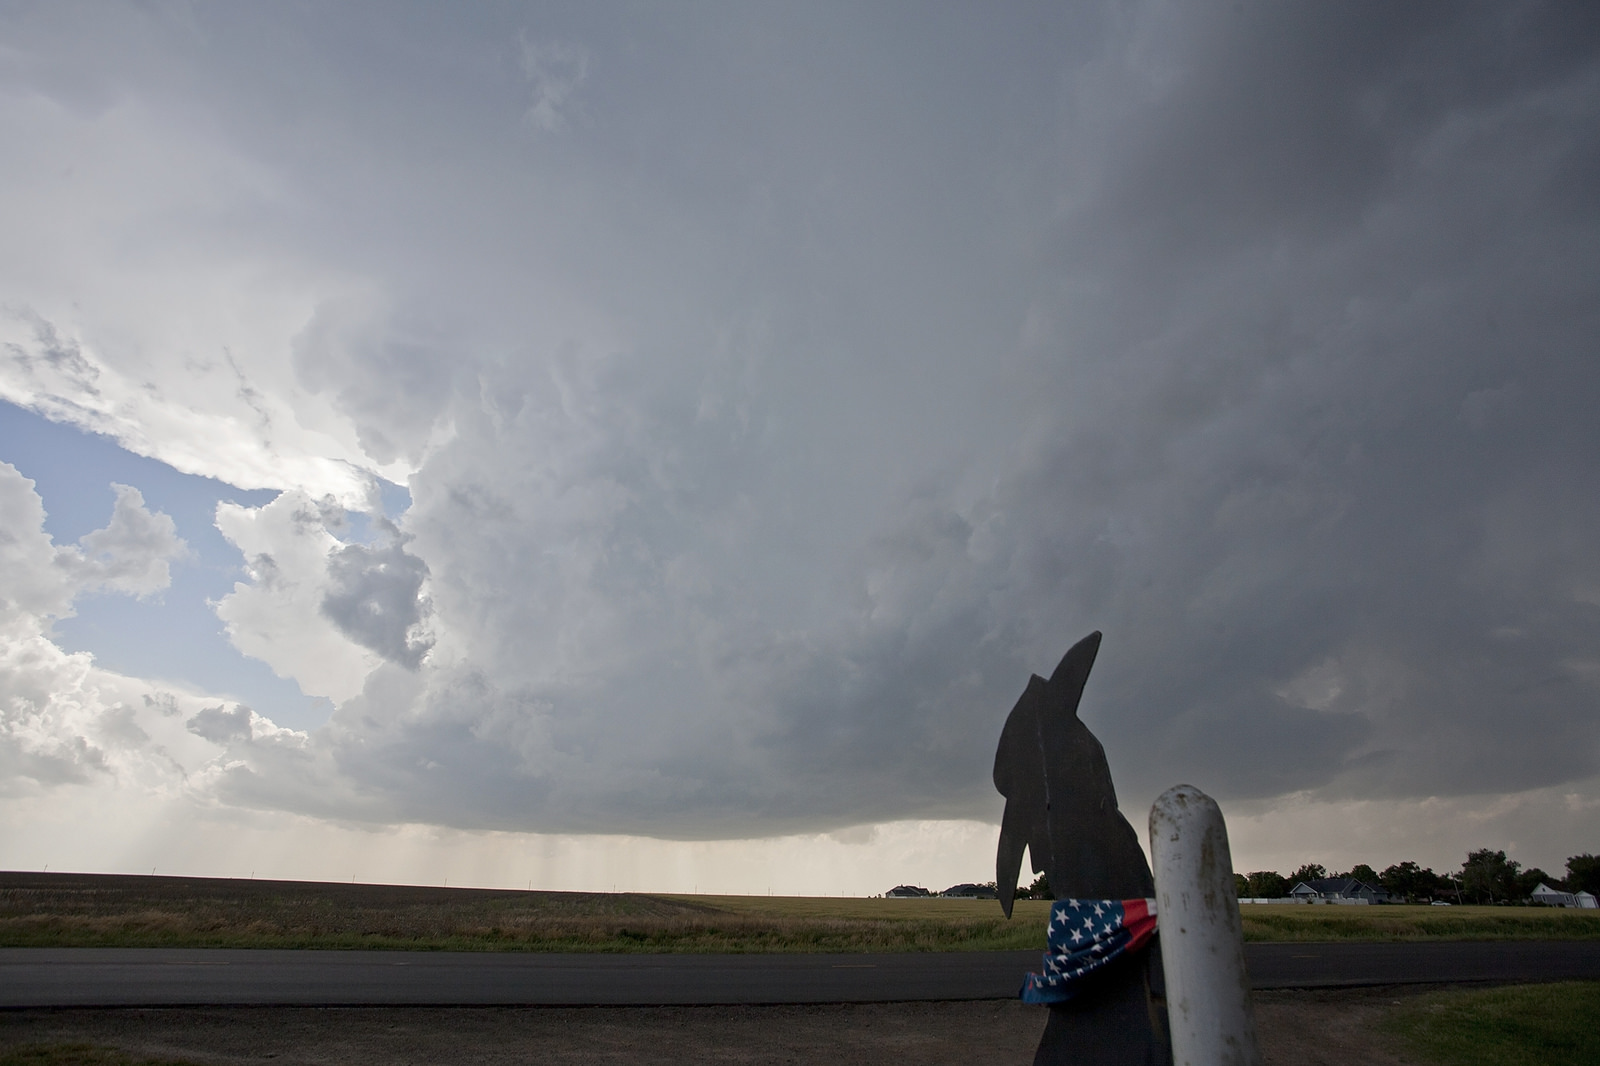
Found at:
(1547, 1025)
(1519, 1025)
(75, 1054)
(74, 910)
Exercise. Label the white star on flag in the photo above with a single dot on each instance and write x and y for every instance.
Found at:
(1077, 951)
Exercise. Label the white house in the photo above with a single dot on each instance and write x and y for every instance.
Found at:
(1587, 901)
(1553, 897)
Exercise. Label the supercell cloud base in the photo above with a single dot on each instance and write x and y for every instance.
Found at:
(772, 391)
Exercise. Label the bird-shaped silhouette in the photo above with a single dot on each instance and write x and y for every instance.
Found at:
(1061, 807)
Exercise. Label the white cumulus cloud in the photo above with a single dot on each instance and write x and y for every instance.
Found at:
(277, 615)
(64, 720)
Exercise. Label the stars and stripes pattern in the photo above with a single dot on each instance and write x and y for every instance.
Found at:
(1085, 935)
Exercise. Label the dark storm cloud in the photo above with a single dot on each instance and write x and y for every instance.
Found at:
(781, 387)
(1338, 244)
(374, 598)
(1297, 118)
(1305, 390)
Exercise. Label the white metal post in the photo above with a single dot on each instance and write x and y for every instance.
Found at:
(1202, 942)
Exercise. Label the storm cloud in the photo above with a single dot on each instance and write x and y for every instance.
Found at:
(375, 599)
(777, 389)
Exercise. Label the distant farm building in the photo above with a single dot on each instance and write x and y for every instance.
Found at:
(907, 892)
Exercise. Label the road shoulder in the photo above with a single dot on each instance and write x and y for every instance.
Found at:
(1305, 1028)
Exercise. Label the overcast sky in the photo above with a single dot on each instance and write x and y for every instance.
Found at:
(594, 431)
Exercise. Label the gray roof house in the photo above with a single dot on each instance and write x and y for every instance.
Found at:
(969, 892)
(1339, 890)
(907, 892)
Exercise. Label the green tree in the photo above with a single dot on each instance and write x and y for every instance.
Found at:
(1488, 875)
(1267, 884)
(1365, 874)
(1241, 885)
(1403, 880)
(1311, 871)
(1040, 889)
(1583, 874)
(1528, 880)
(1410, 882)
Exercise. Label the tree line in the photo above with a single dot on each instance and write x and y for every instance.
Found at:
(1486, 877)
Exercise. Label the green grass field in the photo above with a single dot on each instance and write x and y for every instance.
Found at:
(79, 910)
(1520, 1025)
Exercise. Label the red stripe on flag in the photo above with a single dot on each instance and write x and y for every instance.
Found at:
(1138, 921)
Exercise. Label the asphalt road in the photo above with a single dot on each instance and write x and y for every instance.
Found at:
(118, 977)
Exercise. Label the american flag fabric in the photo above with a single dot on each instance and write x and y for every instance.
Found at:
(1085, 935)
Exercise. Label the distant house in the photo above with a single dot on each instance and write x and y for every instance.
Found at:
(1587, 901)
(1554, 897)
(1338, 890)
(969, 892)
(906, 892)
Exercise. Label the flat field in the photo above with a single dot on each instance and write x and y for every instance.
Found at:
(1281, 922)
(90, 910)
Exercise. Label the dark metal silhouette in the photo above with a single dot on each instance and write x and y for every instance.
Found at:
(1061, 807)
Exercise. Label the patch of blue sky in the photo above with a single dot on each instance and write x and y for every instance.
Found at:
(173, 636)
(394, 499)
